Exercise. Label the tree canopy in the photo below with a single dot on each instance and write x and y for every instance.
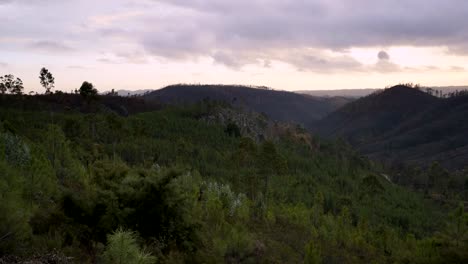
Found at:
(47, 80)
(167, 185)
(87, 90)
(10, 84)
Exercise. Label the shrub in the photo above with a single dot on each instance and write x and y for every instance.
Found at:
(122, 248)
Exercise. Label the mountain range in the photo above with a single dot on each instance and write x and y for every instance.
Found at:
(398, 124)
(356, 93)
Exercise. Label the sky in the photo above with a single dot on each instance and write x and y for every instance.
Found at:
(283, 44)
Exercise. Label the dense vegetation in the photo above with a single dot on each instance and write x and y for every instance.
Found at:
(278, 105)
(167, 187)
(405, 124)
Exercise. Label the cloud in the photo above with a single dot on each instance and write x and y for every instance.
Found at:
(385, 65)
(312, 35)
(122, 57)
(227, 30)
(382, 55)
(79, 67)
(228, 59)
(50, 46)
(3, 64)
(457, 69)
(317, 61)
(107, 20)
(107, 61)
(331, 24)
(132, 57)
(25, 2)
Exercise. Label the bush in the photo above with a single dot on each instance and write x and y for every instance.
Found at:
(14, 211)
(122, 248)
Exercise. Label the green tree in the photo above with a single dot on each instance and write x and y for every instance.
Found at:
(232, 130)
(60, 155)
(47, 80)
(245, 158)
(87, 90)
(245, 154)
(456, 231)
(9, 83)
(455, 237)
(318, 209)
(312, 254)
(270, 163)
(122, 248)
(14, 211)
(437, 177)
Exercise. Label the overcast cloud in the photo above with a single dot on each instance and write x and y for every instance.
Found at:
(265, 28)
(311, 35)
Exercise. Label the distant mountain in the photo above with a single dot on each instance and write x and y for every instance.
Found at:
(450, 89)
(404, 124)
(341, 92)
(130, 92)
(278, 105)
(356, 93)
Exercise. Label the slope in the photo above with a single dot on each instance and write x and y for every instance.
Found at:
(402, 124)
(436, 134)
(195, 193)
(278, 105)
(375, 114)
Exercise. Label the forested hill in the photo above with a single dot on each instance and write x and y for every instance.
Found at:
(375, 114)
(356, 93)
(66, 102)
(277, 105)
(404, 124)
(171, 186)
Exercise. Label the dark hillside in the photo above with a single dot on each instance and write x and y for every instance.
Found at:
(188, 184)
(278, 105)
(403, 124)
(61, 102)
(437, 134)
(375, 114)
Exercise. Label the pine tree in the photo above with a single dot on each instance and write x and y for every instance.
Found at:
(122, 248)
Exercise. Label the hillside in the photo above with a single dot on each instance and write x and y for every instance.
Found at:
(436, 134)
(178, 185)
(356, 93)
(65, 102)
(352, 93)
(277, 105)
(404, 124)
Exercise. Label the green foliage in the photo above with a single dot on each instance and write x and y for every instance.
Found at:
(60, 156)
(194, 193)
(8, 83)
(46, 79)
(87, 90)
(122, 248)
(15, 151)
(15, 211)
(312, 255)
(455, 233)
(237, 246)
(232, 130)
(25, 184)
(160, 209)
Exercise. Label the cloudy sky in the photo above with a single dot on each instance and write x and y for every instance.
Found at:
(284, 44)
